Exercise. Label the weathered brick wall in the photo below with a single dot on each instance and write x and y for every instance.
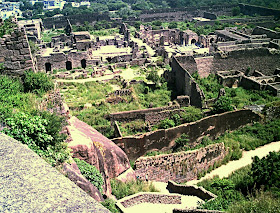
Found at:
(164, 139)
(181, 166)
(15, 53)
(156, 117)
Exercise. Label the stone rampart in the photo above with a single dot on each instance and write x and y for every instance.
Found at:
(190, 190)
(263, 11)
(181, 166)
(15, 53)
(164, 139)
(61, 22)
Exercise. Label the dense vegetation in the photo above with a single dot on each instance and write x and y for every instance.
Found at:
(91, 173)
(24, 122)
(77, 95)
(235, 97)
(254, 188)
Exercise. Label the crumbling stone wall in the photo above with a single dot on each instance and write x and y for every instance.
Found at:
(181, 166)
(185, 84)
(270, 33)
(164, 139)
(15, 53)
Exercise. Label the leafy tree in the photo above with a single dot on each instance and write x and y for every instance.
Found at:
(7, 27)
(91, 173)
(266, 171)
(181, 141)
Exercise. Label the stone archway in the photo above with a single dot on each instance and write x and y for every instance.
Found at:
(83, 63)
(48, 67)
(68, 65)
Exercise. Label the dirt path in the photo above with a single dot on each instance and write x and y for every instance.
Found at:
(226, 170)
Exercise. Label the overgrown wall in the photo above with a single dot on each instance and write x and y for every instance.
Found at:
(164, 139)
(263, 11)
(181, 166)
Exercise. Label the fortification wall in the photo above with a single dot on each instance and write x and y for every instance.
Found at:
(253, 9)
(15, 53)
(261, 59)
(61, 22)
(181, 166)
(164, 139)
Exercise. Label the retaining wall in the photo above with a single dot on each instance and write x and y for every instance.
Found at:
(181, 166)
(164, 139)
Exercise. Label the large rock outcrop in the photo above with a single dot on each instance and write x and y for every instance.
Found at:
(94, 148)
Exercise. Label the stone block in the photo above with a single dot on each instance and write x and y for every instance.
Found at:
(24, 51)
(25, 44)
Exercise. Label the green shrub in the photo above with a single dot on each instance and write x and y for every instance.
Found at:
(223, 104)
(121, 190)
(166, 123)
(191, 114)
(181, 141)
(41, 134)
(261, 202)
(37, 82)
(266, 171)
(91, 173)
(111, 205)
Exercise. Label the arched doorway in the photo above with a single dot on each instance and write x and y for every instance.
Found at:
(211, 40)
(83, 63)
(193, 41)
(48, 67)
(68, 65)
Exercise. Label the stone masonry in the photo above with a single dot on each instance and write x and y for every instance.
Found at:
(15, 53)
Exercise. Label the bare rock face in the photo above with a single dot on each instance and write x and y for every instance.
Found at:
(73, 173)
(94, 148)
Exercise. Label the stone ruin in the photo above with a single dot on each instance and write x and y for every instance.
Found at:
(15, 53)
(81, 50)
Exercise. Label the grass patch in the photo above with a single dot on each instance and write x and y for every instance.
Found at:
(121, 190)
